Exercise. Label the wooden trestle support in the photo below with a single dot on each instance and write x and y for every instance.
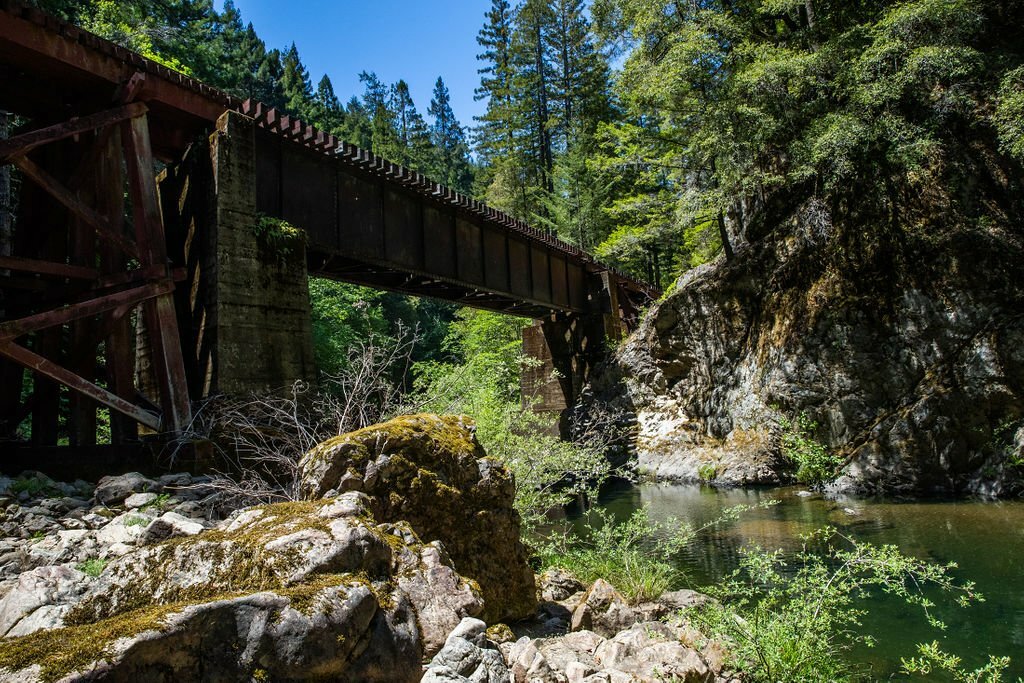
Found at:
(84, 275)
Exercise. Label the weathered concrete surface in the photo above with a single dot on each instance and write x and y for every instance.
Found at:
(257, 311)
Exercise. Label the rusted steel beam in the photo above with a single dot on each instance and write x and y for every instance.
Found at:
(13, 329)
(159, 314)
(104, 228)
(20, 145)
(80, 57)
(37, 363)
(39, 267)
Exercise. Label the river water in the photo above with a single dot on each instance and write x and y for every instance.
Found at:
(985, 538)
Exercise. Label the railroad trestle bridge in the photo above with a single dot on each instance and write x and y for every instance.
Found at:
(166, 273)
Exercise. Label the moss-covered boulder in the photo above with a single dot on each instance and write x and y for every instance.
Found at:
(293, 591)
(431, 472)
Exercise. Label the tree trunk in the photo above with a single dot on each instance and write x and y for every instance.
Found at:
(809, 8)
(724, 234)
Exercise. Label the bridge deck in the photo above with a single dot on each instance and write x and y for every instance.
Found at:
(369, 221)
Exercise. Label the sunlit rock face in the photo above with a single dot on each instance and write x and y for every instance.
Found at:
(431, 472)
(408, 530)
(906, 349)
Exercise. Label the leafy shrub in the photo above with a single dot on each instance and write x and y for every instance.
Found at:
(483, 381)
(815, 464)
(932, 658)
(278, 237)
(795, 621)
(707, 471)
(637, 555)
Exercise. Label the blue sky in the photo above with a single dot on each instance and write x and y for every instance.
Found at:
(410, 39)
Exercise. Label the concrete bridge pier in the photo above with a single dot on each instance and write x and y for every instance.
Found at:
(560, 351)
(245, 314)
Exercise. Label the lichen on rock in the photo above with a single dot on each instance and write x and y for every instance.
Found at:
(431, 472)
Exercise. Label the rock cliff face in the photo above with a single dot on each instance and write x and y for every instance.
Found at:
(904, 344)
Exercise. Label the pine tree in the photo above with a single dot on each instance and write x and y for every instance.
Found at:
(580, 80)
(495, 133)
(414, 147)
(295, 84)
(327, 113)
(266, 84)
(451, 155)
(357, 125)
(383, 132)
(532, 85)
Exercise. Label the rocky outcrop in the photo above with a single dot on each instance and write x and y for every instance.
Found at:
(292, 591)
(357, 583)
(431, 472)
(904, 345)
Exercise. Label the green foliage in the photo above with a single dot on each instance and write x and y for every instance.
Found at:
(32, 486)
(482, 380)
(92, 567)
(278, 238)
(814, 462)
(345, 315)
(795, 620)
(637, 555)
(707, 471)
(135, 520)
(1009, 116)
(1003, 440)
(161, 502)
(932, 659)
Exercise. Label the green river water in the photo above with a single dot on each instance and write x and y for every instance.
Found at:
(985, 538)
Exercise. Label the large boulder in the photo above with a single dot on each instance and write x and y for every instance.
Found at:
(292, 591)
(431, 472)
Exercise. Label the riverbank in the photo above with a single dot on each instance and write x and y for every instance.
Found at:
(984, 537)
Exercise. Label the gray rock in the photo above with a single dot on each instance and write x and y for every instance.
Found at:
(910, 372)
(441, 597)
(175, 480)
(138, 500)
(558, 584)
(39, 587)
(126, 528)
(43, 618)
(603, 610)
(169, 525)
(651, 651)
(528, 665)
(419, 460)
(114, 490)
(467, 656)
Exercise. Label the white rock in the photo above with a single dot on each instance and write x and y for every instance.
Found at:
(138, 500)
(45, 618)
(36, 588)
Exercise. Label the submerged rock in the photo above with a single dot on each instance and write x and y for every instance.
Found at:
(431, 472)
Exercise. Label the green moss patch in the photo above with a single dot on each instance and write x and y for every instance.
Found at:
(60, 652)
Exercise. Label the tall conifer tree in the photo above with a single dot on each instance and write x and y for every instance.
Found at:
(451, 155)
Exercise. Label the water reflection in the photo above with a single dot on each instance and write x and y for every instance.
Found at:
(985, 538)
